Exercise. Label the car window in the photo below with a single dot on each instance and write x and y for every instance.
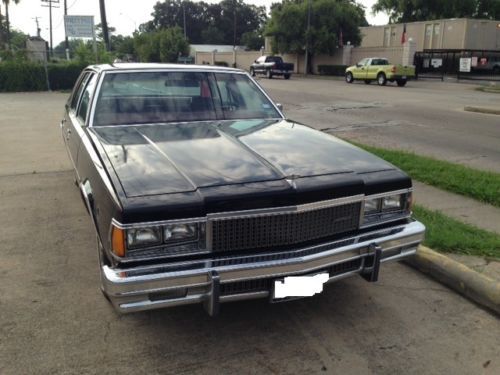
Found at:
(261, 59)
(77, 92)
(380, 62)
(242, 99)
(363, 62)
(84, 102)
(275, 59)
(163, 97)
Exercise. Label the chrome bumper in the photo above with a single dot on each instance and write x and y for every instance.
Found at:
(214, 281)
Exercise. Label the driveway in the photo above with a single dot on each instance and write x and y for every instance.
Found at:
(54, 320)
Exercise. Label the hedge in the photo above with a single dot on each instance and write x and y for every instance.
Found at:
(30, 76)
(332, 70)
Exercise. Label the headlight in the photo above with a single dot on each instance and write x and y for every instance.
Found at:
(392, 203)
(381, 209)
(372, 206)
(180, 232)
(141, 237)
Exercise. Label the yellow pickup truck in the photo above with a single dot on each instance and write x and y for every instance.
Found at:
(379, 69)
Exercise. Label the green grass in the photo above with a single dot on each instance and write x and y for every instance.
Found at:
(452, 236)
(480, 185)
(491, 89)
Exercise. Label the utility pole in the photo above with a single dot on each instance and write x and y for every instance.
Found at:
(66, 42)
(37, 26)
(104, 24)
(234, 25)
(306, 62)
(50, 5)
(184, 17)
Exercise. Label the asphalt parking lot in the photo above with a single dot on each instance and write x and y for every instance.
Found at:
(426, 117)
(53, 319)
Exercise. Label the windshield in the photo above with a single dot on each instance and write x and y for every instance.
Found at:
(159, 97)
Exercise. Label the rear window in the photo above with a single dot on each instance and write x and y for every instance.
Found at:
(162, 97)
(275, 59)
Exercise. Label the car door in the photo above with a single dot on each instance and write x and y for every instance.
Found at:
(259, 64)
(77, 116)
(68, 122)
(372, 69)
(359, 72)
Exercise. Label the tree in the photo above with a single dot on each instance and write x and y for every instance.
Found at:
(206, 23)
(161, 46)
(253, 40)
(7, 21)
(423, 10)
(212, 35)
(329, 19)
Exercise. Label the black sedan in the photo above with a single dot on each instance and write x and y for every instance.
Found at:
(201, 191)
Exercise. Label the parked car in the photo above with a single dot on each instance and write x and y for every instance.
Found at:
(271, 66)
(200, 191)
(379, 69)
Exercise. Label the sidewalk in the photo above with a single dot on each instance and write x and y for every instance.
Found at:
(467, 210)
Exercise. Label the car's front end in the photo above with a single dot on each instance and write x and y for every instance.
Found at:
(269, 245)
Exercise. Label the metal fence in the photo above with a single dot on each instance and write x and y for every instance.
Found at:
(463, 64)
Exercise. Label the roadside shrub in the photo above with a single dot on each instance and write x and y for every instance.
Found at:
(16, 76)
(62, 76)
(332, 70)
(221, 63)
(30, 76)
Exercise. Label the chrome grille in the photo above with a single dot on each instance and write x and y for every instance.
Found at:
(283, 229)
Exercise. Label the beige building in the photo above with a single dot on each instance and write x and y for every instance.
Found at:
(457, 33)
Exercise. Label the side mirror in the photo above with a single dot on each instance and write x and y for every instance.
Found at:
(358, 65)
(280, 106)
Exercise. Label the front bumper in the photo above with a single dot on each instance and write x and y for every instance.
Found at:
(225, 279)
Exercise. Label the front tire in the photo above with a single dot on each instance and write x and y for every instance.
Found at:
(349, 78)
(401, 82)
(252, 72)
(381, 79)
(269, 74)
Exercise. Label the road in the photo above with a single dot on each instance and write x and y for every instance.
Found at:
(53, 319)
(426, 117)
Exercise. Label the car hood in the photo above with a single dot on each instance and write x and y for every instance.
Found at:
(175, 158)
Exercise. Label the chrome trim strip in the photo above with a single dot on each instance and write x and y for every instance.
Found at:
(119, 225)
(287, 209)
(389, 193)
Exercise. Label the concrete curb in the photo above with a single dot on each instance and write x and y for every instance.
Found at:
(471, 284)
(488, 111)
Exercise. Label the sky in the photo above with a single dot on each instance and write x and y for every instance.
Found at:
(124, 15)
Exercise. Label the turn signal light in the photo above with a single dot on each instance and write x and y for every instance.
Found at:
(118, 241)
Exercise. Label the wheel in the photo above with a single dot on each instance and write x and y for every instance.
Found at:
(381, 79)
(269, 74)
(252, 72)
(349, 77)
(287, 76)
(367, 81)
(401, 82)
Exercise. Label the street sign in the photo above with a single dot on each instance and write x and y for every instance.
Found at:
(465, 64)
(79, 26)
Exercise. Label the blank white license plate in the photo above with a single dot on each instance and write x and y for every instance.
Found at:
(403, 77)
(299, 286)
